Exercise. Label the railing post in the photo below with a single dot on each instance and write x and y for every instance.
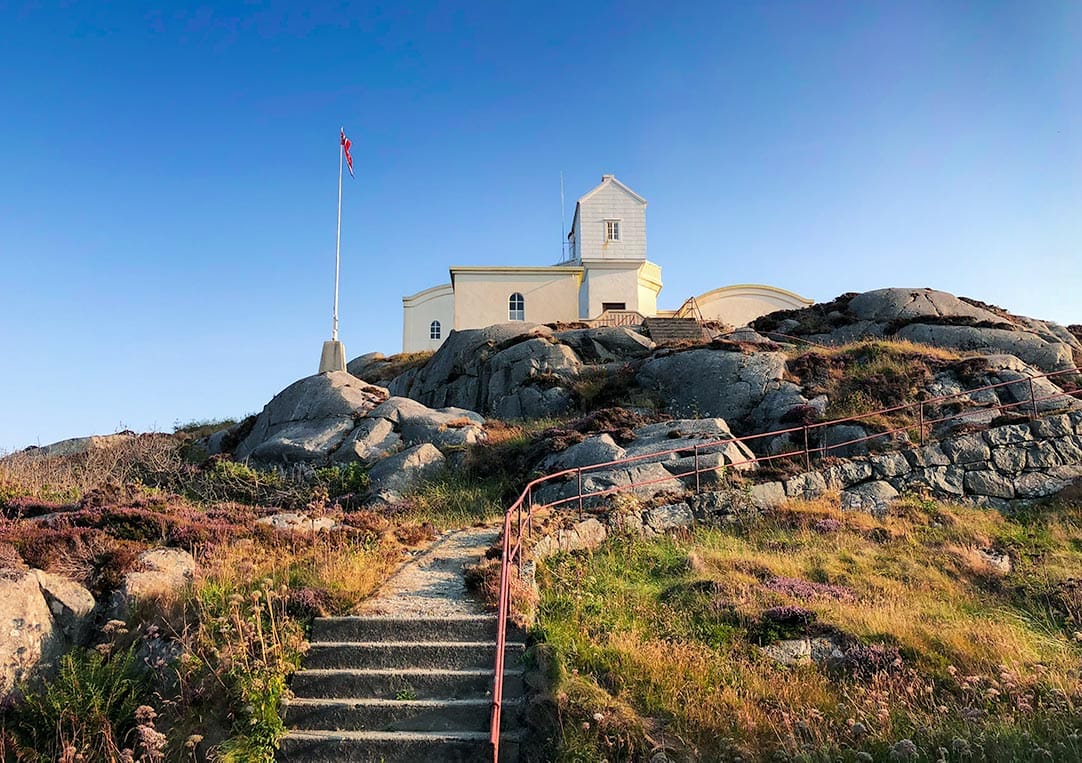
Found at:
(579, 471)
(529, 511)
(921, 417)
(1032, 401)
(807, 449)
(697, 485)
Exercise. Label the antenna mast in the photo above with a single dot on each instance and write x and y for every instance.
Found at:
(563, 222)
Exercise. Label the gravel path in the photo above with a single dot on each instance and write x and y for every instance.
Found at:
(432, 585)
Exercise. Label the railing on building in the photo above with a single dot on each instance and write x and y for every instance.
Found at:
(617, 318)
(517, 523)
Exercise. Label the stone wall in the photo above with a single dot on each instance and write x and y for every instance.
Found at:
(1005, 468)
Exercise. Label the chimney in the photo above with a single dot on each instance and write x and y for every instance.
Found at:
(607, 177)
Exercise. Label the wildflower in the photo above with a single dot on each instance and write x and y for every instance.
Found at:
(193, 741)
(903, 749)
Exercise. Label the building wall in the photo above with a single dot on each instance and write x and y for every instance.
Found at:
(418, 312)
(610, 201)
(649, 288)
(739, 305)
(636, 284)
(481, 294)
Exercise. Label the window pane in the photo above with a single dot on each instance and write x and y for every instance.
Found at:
(516, 307)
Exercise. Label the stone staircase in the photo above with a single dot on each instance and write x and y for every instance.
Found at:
(390, 688)
(672, 330)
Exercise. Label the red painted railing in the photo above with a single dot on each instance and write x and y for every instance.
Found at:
(517, 522)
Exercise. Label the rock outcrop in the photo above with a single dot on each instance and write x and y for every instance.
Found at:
(511, 370)
(159, 572)
(664, 455)
(338, 417)
(930, 317)
(41, 616)
(735, 386)
(310, 418)
(391, 477)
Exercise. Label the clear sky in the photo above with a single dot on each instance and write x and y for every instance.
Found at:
(168, 178)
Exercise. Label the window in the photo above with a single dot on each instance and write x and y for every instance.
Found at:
(516, 307)
(612, 230)
(613, 306)
(434, 330)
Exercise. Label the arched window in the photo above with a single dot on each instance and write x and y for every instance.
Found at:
(516, 307)
(434, 330)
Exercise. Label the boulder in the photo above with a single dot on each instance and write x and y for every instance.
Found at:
(820, 650)
(300, 524)
(584, 536)
(713, 382)
(458, 373)
(514, 374)
(363, 365)
(641, 480)
(890, 305)
(598, 449)
(310, 418)
(808, 485)
(607, 344)
(77, 445)
(158, 572)
(845, 440)
(71, 605)
(1033, 349)
(30, 635)
(372, 439)
(872, 497)
(671, 516)
(446, 427)
(393, 476)
(931, 317)
(711, 436)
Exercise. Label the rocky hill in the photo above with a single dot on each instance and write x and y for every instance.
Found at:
(825, 580)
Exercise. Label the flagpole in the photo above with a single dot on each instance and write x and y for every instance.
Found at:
(338, 238)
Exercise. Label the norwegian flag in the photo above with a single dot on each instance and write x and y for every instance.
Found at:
(346, 143)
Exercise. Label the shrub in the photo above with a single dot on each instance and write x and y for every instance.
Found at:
(88, 710)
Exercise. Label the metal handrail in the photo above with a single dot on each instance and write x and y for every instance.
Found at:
(512, 551)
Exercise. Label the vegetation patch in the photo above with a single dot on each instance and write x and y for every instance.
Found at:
(658, 644)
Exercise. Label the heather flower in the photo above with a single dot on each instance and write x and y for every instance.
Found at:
(826, 526)
(867, 661)
(804, 590)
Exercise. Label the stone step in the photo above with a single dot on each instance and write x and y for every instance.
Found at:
(397, 715)
(669, 330)
(452, 655)
(393, 747)
(377, 628)
(403, 683)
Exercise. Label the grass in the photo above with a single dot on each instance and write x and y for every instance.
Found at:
(655, 644)
(395, 365)
(870, 375)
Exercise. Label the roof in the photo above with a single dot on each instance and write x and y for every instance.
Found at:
(605, 180)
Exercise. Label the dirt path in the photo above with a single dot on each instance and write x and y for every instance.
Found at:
(432, 585)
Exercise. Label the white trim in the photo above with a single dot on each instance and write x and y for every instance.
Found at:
(610, 180)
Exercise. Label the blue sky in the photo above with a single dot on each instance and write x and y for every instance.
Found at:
(168, 177)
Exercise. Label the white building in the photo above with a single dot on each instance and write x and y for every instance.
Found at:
(605, 278)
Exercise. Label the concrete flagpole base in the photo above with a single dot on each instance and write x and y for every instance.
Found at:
(333, 357)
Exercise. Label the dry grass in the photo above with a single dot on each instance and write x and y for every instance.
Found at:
(671, 628)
